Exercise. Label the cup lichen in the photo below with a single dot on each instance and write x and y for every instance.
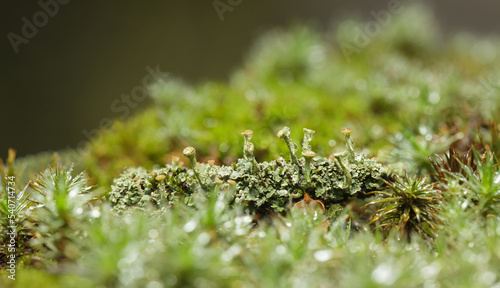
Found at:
(260, 187)
(190, 152)
(284, 134)
(308, 156)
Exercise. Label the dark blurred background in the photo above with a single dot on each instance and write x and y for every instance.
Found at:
(89, 53)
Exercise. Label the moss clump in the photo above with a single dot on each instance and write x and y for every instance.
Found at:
(402, 80)
(261, 187)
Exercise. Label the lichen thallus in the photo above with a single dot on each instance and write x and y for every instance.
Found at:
(248, 152)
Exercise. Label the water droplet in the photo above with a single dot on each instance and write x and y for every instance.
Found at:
(228, 255)
(377, 130)
(354, 249)
(465, 203)
(385, 274)
(497, 178)
(190, 226)
(423, 130)
(488, 278)
(204, 239)
(170, 280)
(250, 95)
(399, 136)
(74, 192)
(323, 255)
(430, 271)
(280, 249)
(153, 233)
(434, 97)
(223, 147)
(95, 213)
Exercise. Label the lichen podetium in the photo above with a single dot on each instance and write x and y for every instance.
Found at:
(261, 187)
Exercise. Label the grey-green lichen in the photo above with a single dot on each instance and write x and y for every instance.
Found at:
(138, 187)
(260, 187)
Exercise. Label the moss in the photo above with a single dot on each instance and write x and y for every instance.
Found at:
(300, 77)
(403, 86)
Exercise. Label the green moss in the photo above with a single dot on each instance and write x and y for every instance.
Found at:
(185, 230)
(403, 79)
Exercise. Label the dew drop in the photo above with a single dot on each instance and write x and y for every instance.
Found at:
(434, 97)
(95, 213)
(488, 278)
(384, 274)
(280, 249)
(250, 95)
(323, 255)
(153, 233)
(190, 226)
(223, 147)
(204, 239)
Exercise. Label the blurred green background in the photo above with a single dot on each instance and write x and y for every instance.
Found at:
(65, 79)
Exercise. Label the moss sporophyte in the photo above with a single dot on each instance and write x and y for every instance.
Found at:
(261, 187)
